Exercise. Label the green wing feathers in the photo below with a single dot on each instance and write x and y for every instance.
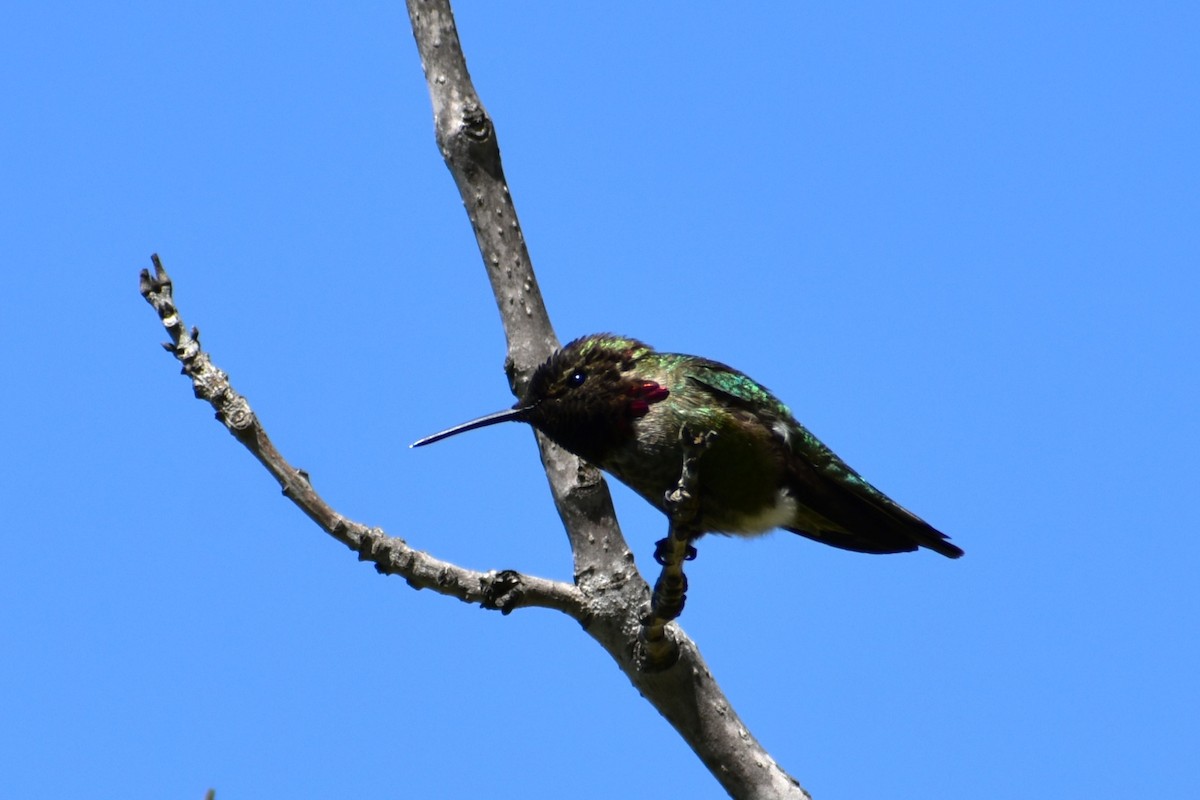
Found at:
(839, 506)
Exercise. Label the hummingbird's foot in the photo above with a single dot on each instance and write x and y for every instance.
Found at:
(658, 649)
(670, 593)
(670, 590)
(663, 550)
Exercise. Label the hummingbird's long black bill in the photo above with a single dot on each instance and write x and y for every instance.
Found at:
(507, 415)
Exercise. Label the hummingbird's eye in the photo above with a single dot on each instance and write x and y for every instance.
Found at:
(577, 378)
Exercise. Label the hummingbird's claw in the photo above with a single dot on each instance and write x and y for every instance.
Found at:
(662, 549)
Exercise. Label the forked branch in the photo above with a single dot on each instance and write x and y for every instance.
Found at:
(609, 598)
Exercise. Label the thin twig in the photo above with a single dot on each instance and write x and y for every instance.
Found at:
(503, 590)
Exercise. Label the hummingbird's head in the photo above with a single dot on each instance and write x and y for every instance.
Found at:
(584, 397)
(583, 372)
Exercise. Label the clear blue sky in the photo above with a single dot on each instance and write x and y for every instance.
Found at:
(960, 241)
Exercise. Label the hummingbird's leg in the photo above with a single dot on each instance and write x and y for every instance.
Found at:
(670, 590)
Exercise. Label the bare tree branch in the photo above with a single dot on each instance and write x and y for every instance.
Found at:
(504, 590)
(467, 140)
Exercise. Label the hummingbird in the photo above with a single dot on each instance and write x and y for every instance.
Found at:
(619, 404)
